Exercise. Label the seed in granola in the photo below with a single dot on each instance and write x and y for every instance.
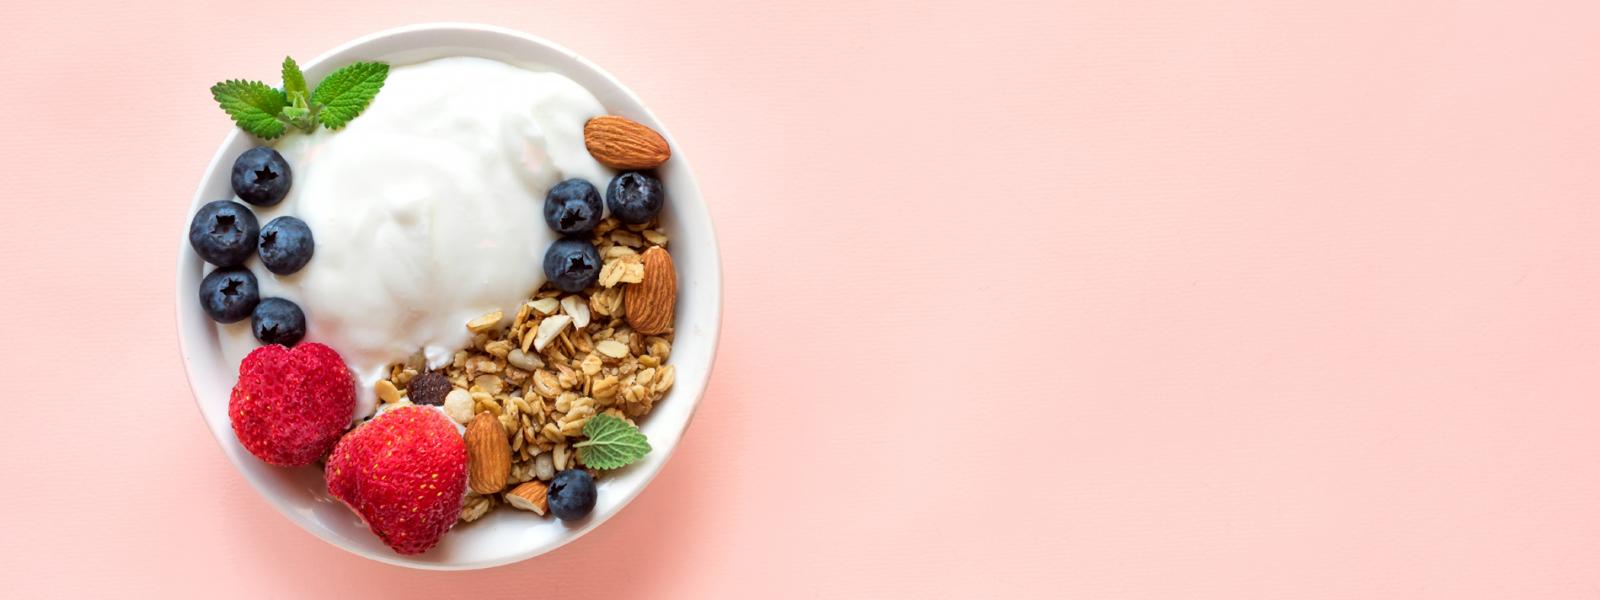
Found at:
(524, 360)
(429, 388)
(544, 467)
(458, 404)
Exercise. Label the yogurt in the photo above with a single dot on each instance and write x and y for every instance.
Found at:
(426, 210)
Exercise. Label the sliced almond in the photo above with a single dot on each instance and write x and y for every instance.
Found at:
(531, 496)
(544, 306)
(578, 309)
(549, 328)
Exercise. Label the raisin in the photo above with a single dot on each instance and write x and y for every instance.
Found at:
(428, 388)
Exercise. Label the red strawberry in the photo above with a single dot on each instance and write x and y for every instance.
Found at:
(405, 473)
(290, 406)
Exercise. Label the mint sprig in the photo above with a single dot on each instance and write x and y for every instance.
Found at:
(267, 112)
(613, 443)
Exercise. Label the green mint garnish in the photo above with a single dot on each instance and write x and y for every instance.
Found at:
(266, 112)
(344, 93)
(255, 106)
(612, 443)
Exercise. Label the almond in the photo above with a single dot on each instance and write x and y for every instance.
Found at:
(533, 495)
(488, 454)
(649, 303)
(622, 143)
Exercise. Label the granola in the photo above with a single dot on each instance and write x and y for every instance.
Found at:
(559, 360)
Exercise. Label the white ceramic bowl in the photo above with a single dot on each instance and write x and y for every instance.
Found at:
(505, 535)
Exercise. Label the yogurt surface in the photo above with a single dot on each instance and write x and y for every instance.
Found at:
(426, 210)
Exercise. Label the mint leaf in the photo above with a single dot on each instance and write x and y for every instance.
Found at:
(612, 443)
(343, 94)
(253, 105)
(294, 82)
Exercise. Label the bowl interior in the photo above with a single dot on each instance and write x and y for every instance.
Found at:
(505, 535)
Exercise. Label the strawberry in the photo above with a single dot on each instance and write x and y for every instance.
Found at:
(405, 473)
(290, 406)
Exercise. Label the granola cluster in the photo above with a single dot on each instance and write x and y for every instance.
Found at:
(561, 359)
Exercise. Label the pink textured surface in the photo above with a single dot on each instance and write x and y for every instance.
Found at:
(1111, 299)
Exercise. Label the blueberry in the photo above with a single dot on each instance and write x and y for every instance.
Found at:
(571, 495)
(572, 264)
(572, 207)
(229, 294)
(635, 197)
(286, 245)
(223, 233)
(261, 176)
(278, 321)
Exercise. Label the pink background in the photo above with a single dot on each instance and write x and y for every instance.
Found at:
(1111, 299)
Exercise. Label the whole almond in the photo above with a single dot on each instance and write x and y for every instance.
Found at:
(533, 495)
(649, 303)
(622, 143)
(488, 454)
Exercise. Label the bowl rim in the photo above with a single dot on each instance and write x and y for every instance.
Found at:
(714, 326)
